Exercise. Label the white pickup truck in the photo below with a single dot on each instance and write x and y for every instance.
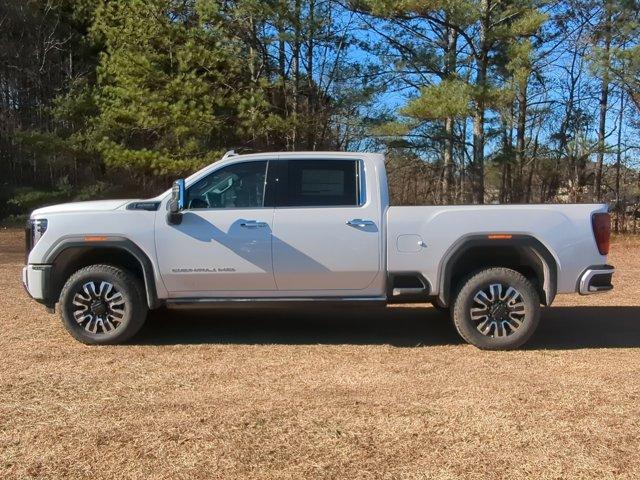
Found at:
(300, 228)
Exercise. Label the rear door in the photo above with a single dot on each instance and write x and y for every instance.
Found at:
(326, 232)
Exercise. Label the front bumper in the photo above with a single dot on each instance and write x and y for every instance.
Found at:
(36, 280)
(596, 279)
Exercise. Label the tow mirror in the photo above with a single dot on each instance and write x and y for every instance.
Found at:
(176, 203)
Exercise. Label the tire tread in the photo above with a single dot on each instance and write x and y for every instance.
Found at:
(138, 315)
(459, 314)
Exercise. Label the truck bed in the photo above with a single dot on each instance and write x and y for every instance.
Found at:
(420, 239)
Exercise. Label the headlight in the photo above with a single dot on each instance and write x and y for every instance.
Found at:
(38, 227)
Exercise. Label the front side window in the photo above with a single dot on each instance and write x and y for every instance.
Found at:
(240, 185)
(320, 183)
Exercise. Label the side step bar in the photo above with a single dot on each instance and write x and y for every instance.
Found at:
(408, 287)
(397, 292)
(289, 302)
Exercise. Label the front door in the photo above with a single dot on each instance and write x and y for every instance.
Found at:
(223, 245)
(326, 233)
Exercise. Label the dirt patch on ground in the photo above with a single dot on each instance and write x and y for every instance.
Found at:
(339, 394)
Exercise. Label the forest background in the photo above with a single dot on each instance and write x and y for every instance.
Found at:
(473, 101)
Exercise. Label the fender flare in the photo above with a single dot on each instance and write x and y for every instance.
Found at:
(528, 242)
(112, 242)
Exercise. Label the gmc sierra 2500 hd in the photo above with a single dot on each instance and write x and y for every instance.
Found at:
(297, 228)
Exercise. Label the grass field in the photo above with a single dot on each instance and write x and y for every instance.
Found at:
(342, 394)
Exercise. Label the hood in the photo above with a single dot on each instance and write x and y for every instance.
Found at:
(93, 206)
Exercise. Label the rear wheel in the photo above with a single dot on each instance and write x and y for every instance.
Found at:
(496, 309)
(102, 304)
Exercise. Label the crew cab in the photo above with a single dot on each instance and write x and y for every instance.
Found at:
(308, 228)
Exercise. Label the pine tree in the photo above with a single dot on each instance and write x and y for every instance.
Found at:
(618, 26)
(482, 26)
(170, 91)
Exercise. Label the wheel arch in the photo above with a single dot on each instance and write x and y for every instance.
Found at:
(523, 253)
(72, 253)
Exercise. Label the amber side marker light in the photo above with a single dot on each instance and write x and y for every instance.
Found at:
(499, 236)
(95, 238)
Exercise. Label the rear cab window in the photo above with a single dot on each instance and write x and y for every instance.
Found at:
(319, 183)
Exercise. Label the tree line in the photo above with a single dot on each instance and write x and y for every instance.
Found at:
(474, 101)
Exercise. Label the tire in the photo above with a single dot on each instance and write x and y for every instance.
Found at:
(102, 305)
(496, 309)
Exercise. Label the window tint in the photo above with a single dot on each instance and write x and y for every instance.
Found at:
(320, 183)
(237, 186)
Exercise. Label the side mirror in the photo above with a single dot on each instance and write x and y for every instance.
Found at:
(176, 203)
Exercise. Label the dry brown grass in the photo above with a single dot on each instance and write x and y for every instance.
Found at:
(353, 394)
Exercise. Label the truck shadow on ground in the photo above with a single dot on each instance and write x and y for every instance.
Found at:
(560, 327)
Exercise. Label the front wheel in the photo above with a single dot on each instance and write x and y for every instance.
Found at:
(496, 309)
(102, 304)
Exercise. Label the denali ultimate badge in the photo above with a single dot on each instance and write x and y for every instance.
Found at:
(203, 270)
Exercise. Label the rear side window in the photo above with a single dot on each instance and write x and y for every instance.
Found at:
(319, 183)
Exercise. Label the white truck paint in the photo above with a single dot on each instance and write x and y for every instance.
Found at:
(274, 250)
(565, 230)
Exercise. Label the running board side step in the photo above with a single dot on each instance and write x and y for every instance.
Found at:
(397, 292)
(408, 287)
(289, 302)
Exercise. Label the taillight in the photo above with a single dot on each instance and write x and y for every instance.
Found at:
(601, 223)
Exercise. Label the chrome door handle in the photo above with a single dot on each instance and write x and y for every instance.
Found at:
(358, 222)
(253, 224)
